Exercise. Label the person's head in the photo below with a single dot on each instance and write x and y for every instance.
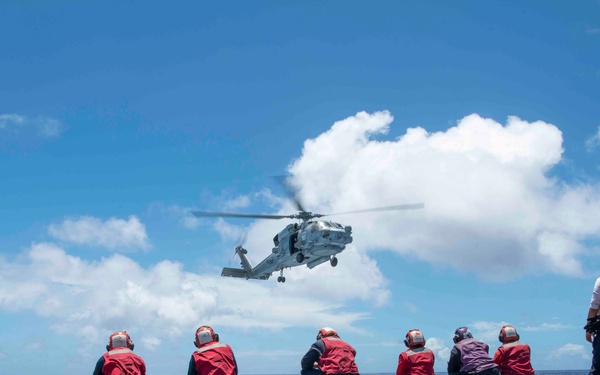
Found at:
(326, 332)
(414, 339)
(205, 335)
(119, 339)
(461, 334)
(508, 334)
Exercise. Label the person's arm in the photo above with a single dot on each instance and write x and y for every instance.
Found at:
(235, 362)
(498, 356)
(99, 366)
(454, 363)
(402, 362)
(591, 314)
(594, 306)
(313, 355)
(192, 367)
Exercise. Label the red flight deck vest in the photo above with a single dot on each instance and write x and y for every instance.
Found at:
(122, 361)
(214, 359)
(338, 357)
(416, 361)
(513, 358)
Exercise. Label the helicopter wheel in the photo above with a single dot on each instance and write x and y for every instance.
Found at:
(333, 261)
(300, 258)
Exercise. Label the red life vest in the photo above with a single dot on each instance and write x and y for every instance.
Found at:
(513, 358)
(122, 361)
(338, 357)
(214, 359)
(416, 361)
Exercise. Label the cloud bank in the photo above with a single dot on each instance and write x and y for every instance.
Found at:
(488, 195)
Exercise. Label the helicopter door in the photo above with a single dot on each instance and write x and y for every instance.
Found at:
(293, 240)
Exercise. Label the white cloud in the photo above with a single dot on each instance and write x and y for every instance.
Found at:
(593, 142)
(592, 30)
(485, 187)
(570, 351)
(45, 127)
(93, 298)
(546, 327)
(114, 234)
(487, 331)
(439, 348)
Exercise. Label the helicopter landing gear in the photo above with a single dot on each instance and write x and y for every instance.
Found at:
(300, 258)
(281, 278)
(333, 261)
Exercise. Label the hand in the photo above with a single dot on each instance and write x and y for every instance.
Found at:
(588, 336)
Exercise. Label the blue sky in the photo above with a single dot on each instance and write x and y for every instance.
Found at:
(118, 119)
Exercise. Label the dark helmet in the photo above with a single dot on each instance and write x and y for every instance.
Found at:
(508, 334)
(461, 334)
(414, 339)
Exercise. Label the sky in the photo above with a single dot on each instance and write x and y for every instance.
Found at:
(117, 119)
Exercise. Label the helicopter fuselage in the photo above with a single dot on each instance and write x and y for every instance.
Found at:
(310, 242)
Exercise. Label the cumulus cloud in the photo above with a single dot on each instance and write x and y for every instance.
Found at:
(487, 193)
(92, 297)
(112, 234)
(593, 142)
(571, 351)
(45, 127)
(439, 348)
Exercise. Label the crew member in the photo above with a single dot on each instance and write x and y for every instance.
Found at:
(119, 358)
(513, 357)
(469, 356)
(211, 357)
(332, 355)
(592, 327)
(417, 359)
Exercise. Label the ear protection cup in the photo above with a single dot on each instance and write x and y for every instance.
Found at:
(508, 334)
(204, 335)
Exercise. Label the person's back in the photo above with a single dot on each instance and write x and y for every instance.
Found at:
(122, 361)
(513, 357)
(211, 357)
(119, 358)
(329, 355)
(417, 359)
(338, 357)
(469, 356)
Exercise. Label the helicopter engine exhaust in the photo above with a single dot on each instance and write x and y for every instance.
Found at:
(313, 263)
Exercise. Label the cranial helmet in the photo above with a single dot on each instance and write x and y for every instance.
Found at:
(119, 339)
(204, 335)
(414, 339)
(461, 334)
(326, 332)
(508, 334)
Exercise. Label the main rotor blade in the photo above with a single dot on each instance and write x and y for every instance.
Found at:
(290, 190)
(227, 214)
(387, 208)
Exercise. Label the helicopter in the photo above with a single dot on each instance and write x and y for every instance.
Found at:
(309, 241)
